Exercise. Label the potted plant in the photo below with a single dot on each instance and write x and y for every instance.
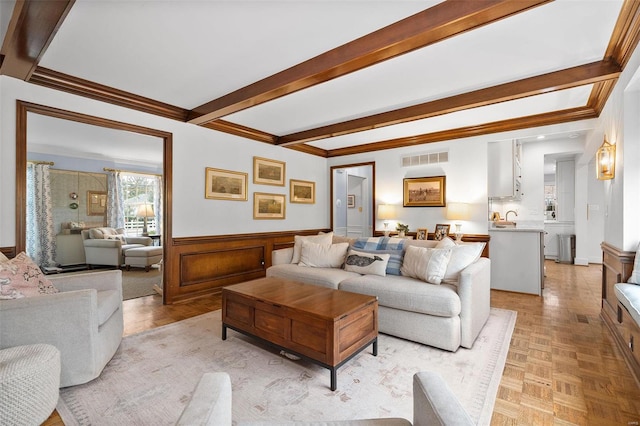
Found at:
(402, 229)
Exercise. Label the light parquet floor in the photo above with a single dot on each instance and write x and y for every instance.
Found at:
(562, 367)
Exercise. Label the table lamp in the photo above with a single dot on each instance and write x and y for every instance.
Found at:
(458, 211)
(386, 212)
(145, 211)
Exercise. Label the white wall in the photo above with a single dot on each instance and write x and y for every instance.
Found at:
(194, 149)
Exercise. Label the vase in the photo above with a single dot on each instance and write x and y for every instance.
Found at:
(401, 234)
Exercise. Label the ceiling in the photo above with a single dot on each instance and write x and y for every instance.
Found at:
(331, 77)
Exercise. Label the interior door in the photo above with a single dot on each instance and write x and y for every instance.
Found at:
(356, 219)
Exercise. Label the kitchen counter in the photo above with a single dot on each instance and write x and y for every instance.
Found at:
(517, 259)
(516, 229)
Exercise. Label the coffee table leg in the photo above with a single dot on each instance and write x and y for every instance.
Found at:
(224, 332)
(334, 379)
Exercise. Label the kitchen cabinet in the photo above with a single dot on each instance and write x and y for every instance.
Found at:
(565, 190)
(517, 261)
(552, 230)
(505, 170)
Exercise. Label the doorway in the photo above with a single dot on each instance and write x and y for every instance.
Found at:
(352, 198)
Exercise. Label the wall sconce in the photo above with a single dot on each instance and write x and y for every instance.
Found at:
(606, 161)
(386, 212)
(458, 211)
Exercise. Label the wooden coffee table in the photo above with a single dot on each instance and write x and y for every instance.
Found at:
(325, 326)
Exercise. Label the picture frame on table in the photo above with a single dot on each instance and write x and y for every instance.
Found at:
(225, 185)
(422, 234)
(268, 172)
(351, 201)
(441, 231)
(269, 206)
(302, 191)
(424, 191)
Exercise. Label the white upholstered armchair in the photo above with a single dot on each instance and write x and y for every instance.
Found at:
(84, 321)
(106, 246)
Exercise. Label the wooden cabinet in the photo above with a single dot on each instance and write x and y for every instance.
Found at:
(505, 170)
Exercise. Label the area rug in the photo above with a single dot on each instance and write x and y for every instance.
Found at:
(150, 379)
(136, 282)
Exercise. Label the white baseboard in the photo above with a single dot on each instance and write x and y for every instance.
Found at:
(582, 261)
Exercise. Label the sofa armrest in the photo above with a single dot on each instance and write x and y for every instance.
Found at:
(145, 241)
(210, 403)
(103, 280)
(282, 256)
(434, 403)
(474, 289)
(96, 242)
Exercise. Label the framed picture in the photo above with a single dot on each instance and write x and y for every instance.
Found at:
(268, 172)
(422, 234)
(268, 206)
(96, 203)
(225, 185)
(351, 201)
(441, 231)
(424, 192)
(302, 191)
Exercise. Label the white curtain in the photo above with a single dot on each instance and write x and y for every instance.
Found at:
(157, 202)
(41, 235)
(115, 200)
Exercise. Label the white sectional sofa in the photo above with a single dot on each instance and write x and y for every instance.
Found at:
(447, 316)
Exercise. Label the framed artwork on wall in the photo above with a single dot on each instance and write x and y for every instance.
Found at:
(424, 191)
(268, 206)
(422, 234)
(351, 201)
(268, 172)
(302, 191)
(225, 185)
(96, 203)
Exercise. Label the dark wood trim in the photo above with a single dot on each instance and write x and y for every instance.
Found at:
(22, 110)
(186, 241)
(240, 130)
(541, 84)
(444, 20)
(78, 86)
(599, 94)
(10, 252)
(625, 35)
(373, 185)
(31, 29)
(308, 149)
(555, 117)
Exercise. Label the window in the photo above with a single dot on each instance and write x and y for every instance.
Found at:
(140, 190)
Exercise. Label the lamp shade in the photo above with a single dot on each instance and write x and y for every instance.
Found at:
(386, 212)
(458, 211)
(145, 210)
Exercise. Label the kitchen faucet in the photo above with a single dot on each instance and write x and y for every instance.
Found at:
(506, 216)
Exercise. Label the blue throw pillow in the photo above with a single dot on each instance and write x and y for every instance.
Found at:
(395, 259)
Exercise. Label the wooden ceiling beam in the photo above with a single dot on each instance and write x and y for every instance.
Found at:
(556, 117)
(240, 130)
(32, 26)
(432, 25)
(559, 80)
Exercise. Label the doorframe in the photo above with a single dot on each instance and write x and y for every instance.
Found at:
(373, 189)
(22, 110)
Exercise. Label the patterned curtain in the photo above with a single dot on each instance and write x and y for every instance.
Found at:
(41, 235)
(115, 201)
(157, 203)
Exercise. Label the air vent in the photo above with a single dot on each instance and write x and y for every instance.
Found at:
(425, 158)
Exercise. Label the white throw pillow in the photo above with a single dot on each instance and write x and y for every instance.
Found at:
(462, 255)
(635, 274)
(367, 263)
(322, 256)
(324, 239)
(426, 264)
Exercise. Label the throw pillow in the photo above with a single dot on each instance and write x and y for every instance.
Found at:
(635, 274)
(3, 258)
(115, 237)
(462, 255)
(321, 256)
(324, 239)
(366, 263)
(426, 264)
(21, 277)
(395, 259)
(385, 245)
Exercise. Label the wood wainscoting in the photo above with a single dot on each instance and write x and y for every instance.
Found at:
(201, 266)
(10, 252)
(617, 266)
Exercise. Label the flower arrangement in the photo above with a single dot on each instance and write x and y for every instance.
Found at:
(402, 228)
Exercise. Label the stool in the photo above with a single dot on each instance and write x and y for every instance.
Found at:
(142, 257)
(29, 383)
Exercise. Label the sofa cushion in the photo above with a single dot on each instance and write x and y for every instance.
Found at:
(322, 256)
(366, 263)
(462, 255)
(394, 247)
(407, 294)
(629, 296)
(324, 239)
(21, 277)
(325, 277)
(635, 274)
(426, 264)
(108, 303)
